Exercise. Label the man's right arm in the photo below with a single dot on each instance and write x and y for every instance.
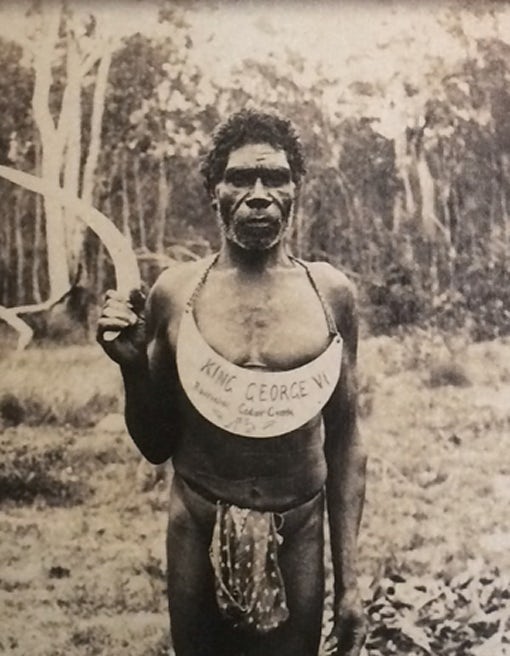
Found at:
(143, 353)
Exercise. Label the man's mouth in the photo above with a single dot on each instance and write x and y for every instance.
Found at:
(259, 222)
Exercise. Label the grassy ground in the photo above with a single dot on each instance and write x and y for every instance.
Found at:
(82, 531)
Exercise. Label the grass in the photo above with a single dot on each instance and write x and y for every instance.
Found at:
(75, 385)
(83, 563)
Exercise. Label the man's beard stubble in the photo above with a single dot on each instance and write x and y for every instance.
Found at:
(261, 238)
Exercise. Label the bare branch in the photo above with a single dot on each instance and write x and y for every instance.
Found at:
(25, 333)
(38, 307)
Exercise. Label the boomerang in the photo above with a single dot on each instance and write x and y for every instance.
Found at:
(127, 274)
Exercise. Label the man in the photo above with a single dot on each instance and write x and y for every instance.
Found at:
(242, 371)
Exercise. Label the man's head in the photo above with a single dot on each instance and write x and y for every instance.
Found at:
(252, 174)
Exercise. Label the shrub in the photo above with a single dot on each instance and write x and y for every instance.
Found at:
(395, 301)
(33, 410)
(74, 385)
(27, 475)
(449, 372)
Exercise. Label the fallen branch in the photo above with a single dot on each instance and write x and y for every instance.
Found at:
(25, 333)
(38, 307)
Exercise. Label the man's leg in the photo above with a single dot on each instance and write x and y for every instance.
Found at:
(196, 625)
(301, 563)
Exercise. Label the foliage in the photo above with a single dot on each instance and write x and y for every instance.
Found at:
(433, 548)
(466, 615)
(48, 396)
(35, 410)
(407, 189)
(450, 372)
(27, 476)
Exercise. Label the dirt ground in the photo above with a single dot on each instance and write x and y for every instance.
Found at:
(82, 524)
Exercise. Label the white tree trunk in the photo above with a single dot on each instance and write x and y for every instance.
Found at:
(163, 202)
(58, 270)
(36, 258)
(403, 162)
(70, 128)
(428, 203)
(96, 122)
(52, 145)
(126, 211)
(139, 203)
(18, 242)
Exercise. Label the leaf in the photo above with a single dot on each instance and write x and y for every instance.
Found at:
(494, 646)
(416, 634)
(498, 541)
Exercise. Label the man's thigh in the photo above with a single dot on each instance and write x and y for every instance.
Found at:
(196, 625)
(301, 563)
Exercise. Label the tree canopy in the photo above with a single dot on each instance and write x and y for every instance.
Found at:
(407, 144)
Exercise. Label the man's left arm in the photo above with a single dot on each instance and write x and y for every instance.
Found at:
(345, 486)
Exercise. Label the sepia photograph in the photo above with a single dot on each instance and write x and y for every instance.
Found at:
(255, 328)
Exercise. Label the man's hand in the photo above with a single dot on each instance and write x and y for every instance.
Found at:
(126, 317)
(349, 627)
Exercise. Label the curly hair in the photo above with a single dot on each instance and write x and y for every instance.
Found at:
(250, 126)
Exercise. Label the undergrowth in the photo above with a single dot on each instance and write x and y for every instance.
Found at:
(59, 386)
(28, 475)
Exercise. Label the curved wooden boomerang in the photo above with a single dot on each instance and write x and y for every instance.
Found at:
(127, 273)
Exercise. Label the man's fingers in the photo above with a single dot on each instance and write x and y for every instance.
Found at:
(120, 312)
(351, 645)
(116, 303)
(135, 298)
(347, 638)
(106, 323)
(114, 294)
(331, 647)
(109, 329)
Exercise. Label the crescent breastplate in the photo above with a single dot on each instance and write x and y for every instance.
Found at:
(250, 402)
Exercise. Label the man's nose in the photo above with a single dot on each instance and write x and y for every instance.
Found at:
(258, 198)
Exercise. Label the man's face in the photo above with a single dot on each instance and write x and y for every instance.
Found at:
(255, 198)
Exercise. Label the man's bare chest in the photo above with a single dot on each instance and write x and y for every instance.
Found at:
(278, 323)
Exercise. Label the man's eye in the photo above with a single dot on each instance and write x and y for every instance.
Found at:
(240, 178)
(276, 178)
(248, 178)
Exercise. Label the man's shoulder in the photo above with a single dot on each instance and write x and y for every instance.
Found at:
(171, 279)
(174, 285)
(340, 293)
(338, 288)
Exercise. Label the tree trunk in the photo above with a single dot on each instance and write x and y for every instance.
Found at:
(36, 253)
(163, 202)
(52, 145)
(58, 270)
(96, 122)
(126, 231)
(427, 192)
(403, 163)
(505, 170)
(18, 241)
(139, 202)
(397, 213)
(71, 114)
(6, 286)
